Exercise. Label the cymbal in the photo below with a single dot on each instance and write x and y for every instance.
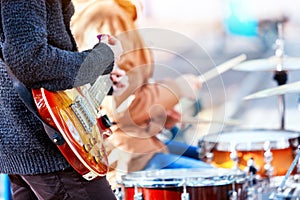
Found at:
(269, 64)
(280, 90)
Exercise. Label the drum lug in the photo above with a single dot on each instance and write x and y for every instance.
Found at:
(209, 157)
(204, 152)
(137, 195)
(234, 157)
(268, 157)
(185, 195)
(233, 196)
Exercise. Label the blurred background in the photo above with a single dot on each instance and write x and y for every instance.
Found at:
(207, 34)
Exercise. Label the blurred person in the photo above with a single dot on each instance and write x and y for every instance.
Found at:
(145, 108)
(38, 48)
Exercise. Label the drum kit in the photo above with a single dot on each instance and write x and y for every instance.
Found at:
(250, 164)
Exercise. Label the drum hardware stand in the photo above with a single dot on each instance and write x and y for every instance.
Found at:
(201, 149)
(280, 75)
(283, 182)
(137, 195)
(256, 191)
(257, 188)
(118, 193)
(252, 171)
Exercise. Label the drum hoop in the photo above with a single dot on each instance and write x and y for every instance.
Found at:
(283, 143)
(221, 177)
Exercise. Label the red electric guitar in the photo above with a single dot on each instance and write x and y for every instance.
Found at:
(75, 114)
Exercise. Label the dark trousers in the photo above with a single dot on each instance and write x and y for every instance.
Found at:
(67, 184)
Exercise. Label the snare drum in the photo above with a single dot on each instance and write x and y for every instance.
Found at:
(173, 184)
(273, 147)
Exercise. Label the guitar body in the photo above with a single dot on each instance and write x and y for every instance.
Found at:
(70, 112)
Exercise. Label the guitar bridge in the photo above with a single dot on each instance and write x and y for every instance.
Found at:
(84, 113)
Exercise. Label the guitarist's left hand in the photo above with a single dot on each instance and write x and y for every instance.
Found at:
(113, 43)
(120, 81)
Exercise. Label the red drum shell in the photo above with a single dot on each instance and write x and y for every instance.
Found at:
(204, 184)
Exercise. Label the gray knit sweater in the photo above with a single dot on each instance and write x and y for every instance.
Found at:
(36, 43)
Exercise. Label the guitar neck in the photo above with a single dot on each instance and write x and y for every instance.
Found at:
(100, 89)
(94, 94)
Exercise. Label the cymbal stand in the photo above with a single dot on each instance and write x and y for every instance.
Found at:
(293, 165)
(280, 75)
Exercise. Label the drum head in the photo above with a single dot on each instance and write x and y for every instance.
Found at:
(246, 140)
(180, 177)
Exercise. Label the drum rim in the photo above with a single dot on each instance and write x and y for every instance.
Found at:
(228, 146)
(222, 177)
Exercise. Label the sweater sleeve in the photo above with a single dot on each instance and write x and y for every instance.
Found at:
(34, 60)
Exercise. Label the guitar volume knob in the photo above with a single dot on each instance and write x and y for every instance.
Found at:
(105, 121)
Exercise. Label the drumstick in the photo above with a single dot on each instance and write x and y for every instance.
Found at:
(222, 68)
(193, 120)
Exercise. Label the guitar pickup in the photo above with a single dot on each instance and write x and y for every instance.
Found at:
(84, 113)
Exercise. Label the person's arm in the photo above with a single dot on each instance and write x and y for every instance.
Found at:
(153, 101)
(150, 100)
(33, 60)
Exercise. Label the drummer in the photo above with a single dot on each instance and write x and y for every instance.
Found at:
(149, 108)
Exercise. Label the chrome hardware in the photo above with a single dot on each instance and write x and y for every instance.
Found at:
(137, 195)
(234, 157)
(84, 113)
(185, 195)
(118, 193)
(268, 157)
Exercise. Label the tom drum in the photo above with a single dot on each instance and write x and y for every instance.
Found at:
(270, 151)
(177, 184)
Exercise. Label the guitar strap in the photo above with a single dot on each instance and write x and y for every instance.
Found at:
(27, 99)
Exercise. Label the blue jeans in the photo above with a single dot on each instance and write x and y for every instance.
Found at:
(181, 156)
